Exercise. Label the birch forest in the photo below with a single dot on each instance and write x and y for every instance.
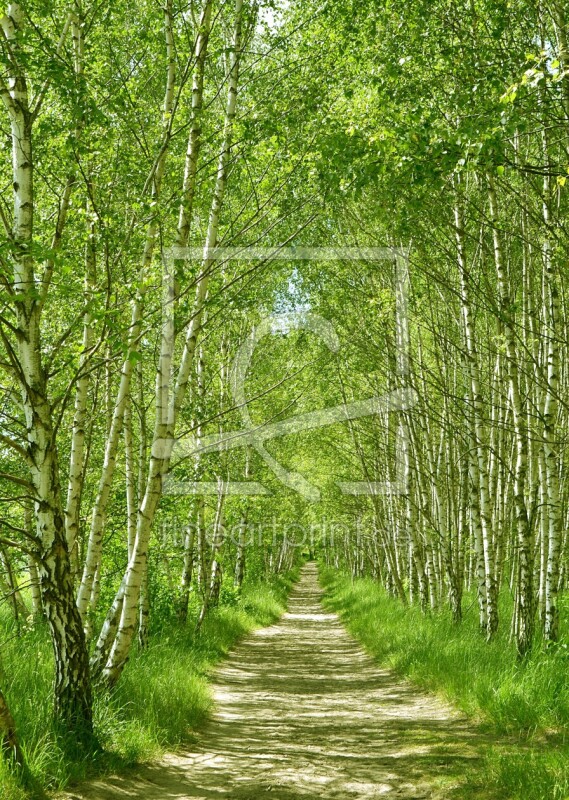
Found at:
(283, 296)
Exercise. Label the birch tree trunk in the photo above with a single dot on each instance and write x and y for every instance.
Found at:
(478, 462)
(211, 594)
(76, 465)
(167, 410)
(131, 482)
(550, 409)
(187, 572)
(144, 610)
(197, 524)
(195, 135)
(526, 604)
(95, 542)
(35, 591)
(72, 689)
(194, 141)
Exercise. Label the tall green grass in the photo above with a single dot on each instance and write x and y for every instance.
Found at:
(527, 702)
(162, 697)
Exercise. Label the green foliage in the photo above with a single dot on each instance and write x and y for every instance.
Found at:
(363, 124)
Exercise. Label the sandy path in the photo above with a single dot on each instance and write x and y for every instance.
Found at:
(302, 712)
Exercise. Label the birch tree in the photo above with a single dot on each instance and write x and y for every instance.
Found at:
(23, 344)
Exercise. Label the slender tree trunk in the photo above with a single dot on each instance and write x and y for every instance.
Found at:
(187, 571)
(478, 461)
(76, 463)
(211, 593)
(526, 605)
(98, 517)
(144, 611)
(241, 550)
(167, 411)
(72, 691)
(242, 536)
(130, 478)
(35, 591)
(201, 545)
(550, 410)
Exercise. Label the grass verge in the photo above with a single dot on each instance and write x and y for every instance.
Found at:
(161, 699)
(528, 701)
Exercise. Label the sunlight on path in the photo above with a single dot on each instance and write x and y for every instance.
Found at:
(302, 712)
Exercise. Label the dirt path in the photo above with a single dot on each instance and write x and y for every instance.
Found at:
(302, 712)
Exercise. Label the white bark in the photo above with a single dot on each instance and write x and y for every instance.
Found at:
(130, 478)
(525, 606)
(550, 409)
(167, 410)
(95, 542)
(76, 465)
(72, 684)
(479, 468)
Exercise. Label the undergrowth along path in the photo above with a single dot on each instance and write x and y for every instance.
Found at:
(303, 712)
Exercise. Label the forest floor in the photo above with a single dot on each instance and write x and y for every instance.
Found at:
(301, 711)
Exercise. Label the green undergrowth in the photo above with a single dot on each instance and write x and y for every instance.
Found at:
(161, 699)
(524, 704)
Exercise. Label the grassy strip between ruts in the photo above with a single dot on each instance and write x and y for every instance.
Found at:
(162, 697)
(527, 700)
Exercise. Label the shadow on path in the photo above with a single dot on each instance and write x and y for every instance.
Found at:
(302, 712)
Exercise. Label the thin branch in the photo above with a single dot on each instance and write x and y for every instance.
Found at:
(15, 446)
(20, 481)
(17, 545)
(45, 86)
